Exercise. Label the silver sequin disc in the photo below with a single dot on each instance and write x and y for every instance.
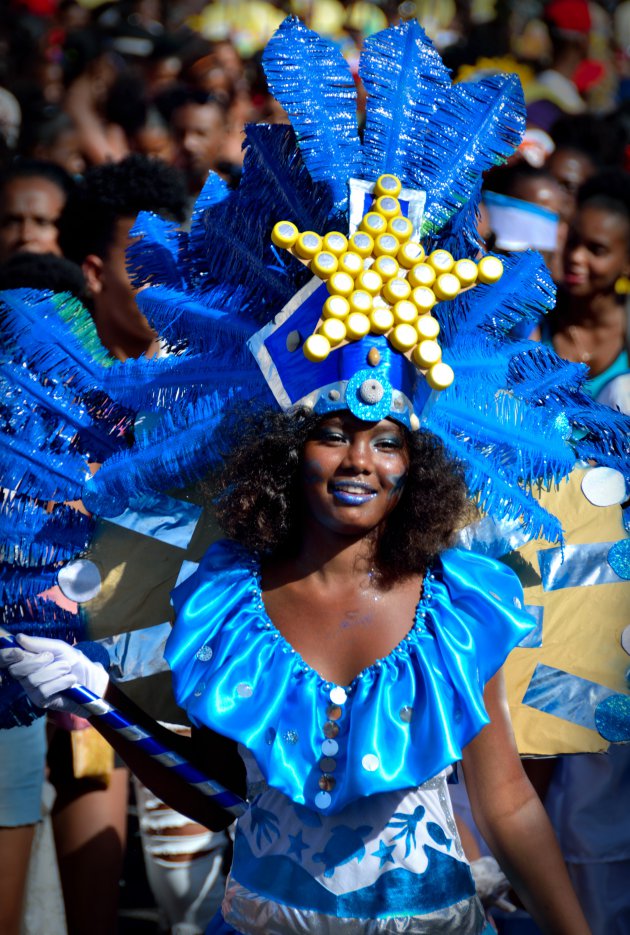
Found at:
(370, 762)
(243, 690)
(204, 654)
(338, 695)
(330, 748)
(323, 799)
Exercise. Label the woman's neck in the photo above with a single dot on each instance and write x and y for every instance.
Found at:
(331, 557)
(593, 312)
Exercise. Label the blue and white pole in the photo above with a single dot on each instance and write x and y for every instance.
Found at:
(98, 709)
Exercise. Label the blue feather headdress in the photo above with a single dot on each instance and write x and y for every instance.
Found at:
(227, 301)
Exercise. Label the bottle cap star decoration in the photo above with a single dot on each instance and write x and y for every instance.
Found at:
(381, 281)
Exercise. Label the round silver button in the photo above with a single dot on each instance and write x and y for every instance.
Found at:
(338, 695)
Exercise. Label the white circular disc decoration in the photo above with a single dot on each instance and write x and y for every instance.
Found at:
(625, 639)
(338, 695)
(370, 762)
(79, 581)
(603, 486)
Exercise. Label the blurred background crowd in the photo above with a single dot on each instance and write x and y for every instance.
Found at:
(111, 108)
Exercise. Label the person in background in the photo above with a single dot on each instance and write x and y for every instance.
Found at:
(523, 211)
(590, 321)
(199, 123)
(32, 196)
(23, 749)
(584, 145)
(183, 860)
(95, 234)
(53, 136)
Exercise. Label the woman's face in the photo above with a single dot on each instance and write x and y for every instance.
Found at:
(597, 251)
(353, 472)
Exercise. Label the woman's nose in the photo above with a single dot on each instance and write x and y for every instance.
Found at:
(358, 455)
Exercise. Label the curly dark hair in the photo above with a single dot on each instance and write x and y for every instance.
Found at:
(118, 190)
(258, 497)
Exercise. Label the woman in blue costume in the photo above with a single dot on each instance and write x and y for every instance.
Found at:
(352, 659)
(334, 655)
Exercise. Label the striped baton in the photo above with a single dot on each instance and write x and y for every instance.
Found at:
(98, 709)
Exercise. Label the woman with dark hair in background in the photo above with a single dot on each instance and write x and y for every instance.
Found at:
(590, 322)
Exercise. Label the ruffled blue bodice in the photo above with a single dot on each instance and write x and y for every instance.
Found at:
(398, 723)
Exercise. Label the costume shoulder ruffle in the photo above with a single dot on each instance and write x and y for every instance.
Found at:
(399, 722)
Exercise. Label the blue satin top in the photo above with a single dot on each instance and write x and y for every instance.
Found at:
(399, 723)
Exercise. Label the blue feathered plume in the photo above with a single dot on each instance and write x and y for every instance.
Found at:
(320, 100)
(474, 127)
(404, 79)
(32, 533)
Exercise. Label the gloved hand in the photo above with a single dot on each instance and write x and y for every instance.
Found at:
(46, 667)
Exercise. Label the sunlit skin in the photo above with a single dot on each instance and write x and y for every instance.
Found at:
(353, 473)
(353, 476)
(29, 211)
(596, 253)
(590, 319)
(198, 130)
(121, 326)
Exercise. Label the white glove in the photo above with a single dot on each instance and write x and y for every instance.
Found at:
(46, 667)
(491, 883)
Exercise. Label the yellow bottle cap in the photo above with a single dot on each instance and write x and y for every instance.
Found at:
(361, 301)
(369, 280)
(308, 244)
(334, 330)
(386, 267)
(446, 286)
(400, 227)
(340, 284)
(336, 306)
(405, 312)
(357, 326)
(441, 260)
(381, 320)
(490, 269)
(426, 354)
(362, 243)
(403, 337)
(284, 234)
(316, 348)
(421, 275)
(440, 376)
(395, 290)
(423, 298)
(324, 264)
(351, 262)
(373, 223)
(336, 243)
(387, 206)
(386, 245)
(410, 254)
(427, 328)
(387, 185)
(466, 271)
